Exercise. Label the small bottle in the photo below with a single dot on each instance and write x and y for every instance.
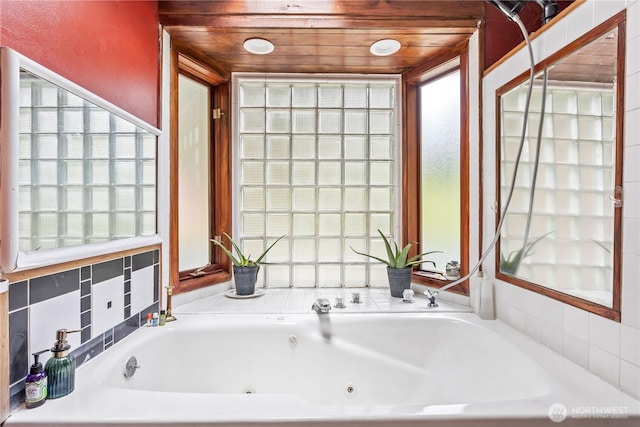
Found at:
(163, 318)
(149, 320)
(154, 321)
(36, 384)
(61, 368)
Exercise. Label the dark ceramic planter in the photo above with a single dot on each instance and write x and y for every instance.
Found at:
(399, 280)
(245, 278)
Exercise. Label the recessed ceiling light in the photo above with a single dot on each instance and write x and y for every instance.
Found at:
(385, 47)
(258, 46)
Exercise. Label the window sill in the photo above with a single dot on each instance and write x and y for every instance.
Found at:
(212, 277)
(438, 280)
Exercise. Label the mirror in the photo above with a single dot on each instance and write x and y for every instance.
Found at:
(562, 231)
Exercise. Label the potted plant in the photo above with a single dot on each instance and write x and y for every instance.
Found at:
(399, 266)
(245, 270)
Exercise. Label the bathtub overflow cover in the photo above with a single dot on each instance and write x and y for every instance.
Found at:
(293, 339)
(130, 366)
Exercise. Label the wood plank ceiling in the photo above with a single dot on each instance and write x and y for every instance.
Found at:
(317, 36)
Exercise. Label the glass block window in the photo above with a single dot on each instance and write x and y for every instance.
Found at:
(572, 215)
(317, 163)
(85, 175)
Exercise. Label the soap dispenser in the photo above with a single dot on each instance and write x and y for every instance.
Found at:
(36, 383)
(61, 368)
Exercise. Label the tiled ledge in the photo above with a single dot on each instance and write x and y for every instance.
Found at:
(296, 300)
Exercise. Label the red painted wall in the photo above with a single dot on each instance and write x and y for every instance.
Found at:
(502, 35)
(108, 47)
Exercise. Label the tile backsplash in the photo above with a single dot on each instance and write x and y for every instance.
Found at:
(105, 301)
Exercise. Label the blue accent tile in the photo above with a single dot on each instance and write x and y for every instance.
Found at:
(18, 295)
(85, 319)
(127, 312)
(156, 256)
(19, 345)
(88, 351)
(127, 274)
(16, 395)
(140, 261)
(85, 273)
(127, 299)
(108, 337)
(85, 303)
(156, 283)
(85, 335)
(53, 285)
(85, 288)
(125, 328)
(106, 270)
(127, 261)
(127, 286)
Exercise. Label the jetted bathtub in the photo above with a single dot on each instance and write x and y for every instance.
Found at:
(393, 369)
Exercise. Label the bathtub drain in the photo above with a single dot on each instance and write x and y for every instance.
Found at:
(248, 390)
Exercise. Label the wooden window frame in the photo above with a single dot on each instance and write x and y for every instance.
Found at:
(219, 270)
(411, 160)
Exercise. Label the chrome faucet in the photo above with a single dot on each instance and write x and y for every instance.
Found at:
(431, 296)
(321, 305)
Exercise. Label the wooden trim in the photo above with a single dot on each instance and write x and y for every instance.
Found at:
(411, 156)
(481, 49)
(535, 35)
(4, 356)
(613, 313)
(219, 270)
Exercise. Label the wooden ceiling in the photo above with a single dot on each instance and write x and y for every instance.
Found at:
(317, 36)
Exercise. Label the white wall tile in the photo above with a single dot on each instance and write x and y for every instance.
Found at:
(631, 240)
(604, 334)
(631, 203)
(632, 88)
(580, 21)
(632, 128)
(141, 289)
(576, 322)
(630, 379)
(633, 56)
(533, 327)
(552, 336)
(630, 344)
(630, 308)
(603, 10)
(107, 305)
(576, 350)
(604, 364)
(555, 38)
(633, 20)
(46, 317)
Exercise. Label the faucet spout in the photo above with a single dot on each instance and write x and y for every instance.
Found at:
(321, 305)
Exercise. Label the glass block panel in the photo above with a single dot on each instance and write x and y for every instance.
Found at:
(47, 224)
(100, 198)
(73, 100)
(304, 224)
(329, 173)
(589, 103)
(148, 224)
(329, 199)
(279, 253)
(304, 250)
(329, 224)
(74, 172)
(380, 173)
(24, 121)
(564, 101)
(47, 146)
(24, 198)
(278, 121)
(72, 121)
(252, 173)
(125, 173)
(25, 95)
(382, 222)
(359, 244)
(304, 121)
(252, 120)
(120, 125)
(355, 276)
(277, 173)
(278, 276)
(303, 147)
(148, 172)
(355, 173)
(252, 95)
(355, 121)
(48, 96)
(47, 171)
(329, 147)
(355, 96)
(304, 173)
(566, 151)
(74, 199)
(149, 146)
(98, 121)
(329, 250)
(304, 276)
(24, 172)
(590, 128)
(329, 275)
(381, 122)
(565, 127)
(125, 198)
(378, 276)
(125, 224)
(380, 199)
(125, 146)
(74, 225)
(330, 121)
(278, 95)
(99, 146)
(47, 121)
(381, 96)
(252, 146)
(278, 199)
(148, 198)
(304, 199)
(303, 95)
(48, 198)
(252, 198)
(73, 146)
(277, 225)
(24, 146)
(277, 147)
(355, 199)
(329, 96)
(355, 147)
(355, 224)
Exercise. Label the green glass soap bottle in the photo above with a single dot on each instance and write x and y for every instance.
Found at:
(61, 368)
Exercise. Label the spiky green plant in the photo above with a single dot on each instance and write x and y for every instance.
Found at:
(241, 260)
(510, 264)
(397, 258)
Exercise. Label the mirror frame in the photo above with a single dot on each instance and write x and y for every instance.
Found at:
(618, 21)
